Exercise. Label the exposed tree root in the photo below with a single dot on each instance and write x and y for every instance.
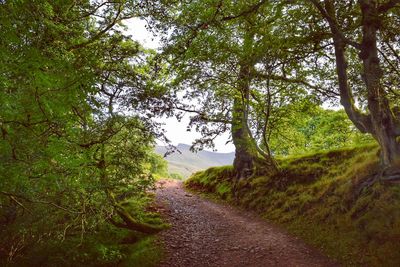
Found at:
(130, 223)
(384, 176)
(391, 175)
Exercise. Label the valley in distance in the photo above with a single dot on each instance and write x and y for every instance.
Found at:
(187, 162)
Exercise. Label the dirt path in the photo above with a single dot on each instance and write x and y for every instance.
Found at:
(204, 233)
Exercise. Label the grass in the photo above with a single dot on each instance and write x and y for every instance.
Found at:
(359, 226)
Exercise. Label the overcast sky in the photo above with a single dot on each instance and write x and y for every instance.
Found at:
(176, 131)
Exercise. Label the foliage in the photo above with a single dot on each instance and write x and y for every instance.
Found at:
(315, 129)
(210, 52)
(106, 246)
(69, 151)
(159, 166)
(176, 176)
(270, 57)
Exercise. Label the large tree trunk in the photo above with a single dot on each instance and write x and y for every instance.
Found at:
(383, 120)
(245, 155)
(245, 152)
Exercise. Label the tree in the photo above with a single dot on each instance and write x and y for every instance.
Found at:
(69, 153)
(220, 82)
(374, 43)
(222, 58)
(371, 23)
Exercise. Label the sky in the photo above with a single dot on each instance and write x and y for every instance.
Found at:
(175, 131)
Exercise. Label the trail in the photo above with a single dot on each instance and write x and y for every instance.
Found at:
(205, 233)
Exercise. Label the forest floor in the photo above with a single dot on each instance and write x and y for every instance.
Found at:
(205, 233)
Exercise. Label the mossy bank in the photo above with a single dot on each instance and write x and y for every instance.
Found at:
(324, 199)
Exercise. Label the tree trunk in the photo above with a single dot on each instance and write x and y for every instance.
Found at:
(245, 152)
(248, 155)
(130, 223)
(383, 120)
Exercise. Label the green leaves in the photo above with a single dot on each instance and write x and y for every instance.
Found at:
(66, 147)
(314, 130)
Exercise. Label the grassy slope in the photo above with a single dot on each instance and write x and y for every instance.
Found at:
(319, 197)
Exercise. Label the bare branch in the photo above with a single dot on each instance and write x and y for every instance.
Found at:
(326, 92)
(392, 66)
(15, 196)
(202, 115)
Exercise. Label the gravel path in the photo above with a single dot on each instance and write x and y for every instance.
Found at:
(205, 233)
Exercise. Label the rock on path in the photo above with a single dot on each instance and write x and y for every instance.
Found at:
(205, 233)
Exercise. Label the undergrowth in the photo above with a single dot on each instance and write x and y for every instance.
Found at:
(105, 246)
(321, 197)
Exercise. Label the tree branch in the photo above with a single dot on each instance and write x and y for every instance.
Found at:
(392, 66)
(15, 196)
(329, 16)
(100, 33)
(202, 115)
(246, 12)
(326, 92)
(130, 223)
(360, 120)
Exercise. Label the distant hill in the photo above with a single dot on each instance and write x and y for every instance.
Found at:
(189, 162)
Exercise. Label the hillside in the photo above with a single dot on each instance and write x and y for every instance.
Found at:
(187, 162)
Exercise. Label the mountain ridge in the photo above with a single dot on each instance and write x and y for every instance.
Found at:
(187, 162)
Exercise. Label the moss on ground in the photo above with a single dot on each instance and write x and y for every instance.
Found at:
(321, 198)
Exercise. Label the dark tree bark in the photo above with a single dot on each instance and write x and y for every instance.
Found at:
(245, 152)
(381, 122)
(248, 155)
(383, 119)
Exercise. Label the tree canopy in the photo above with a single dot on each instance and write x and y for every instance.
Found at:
(76, 125)
(254, 59)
